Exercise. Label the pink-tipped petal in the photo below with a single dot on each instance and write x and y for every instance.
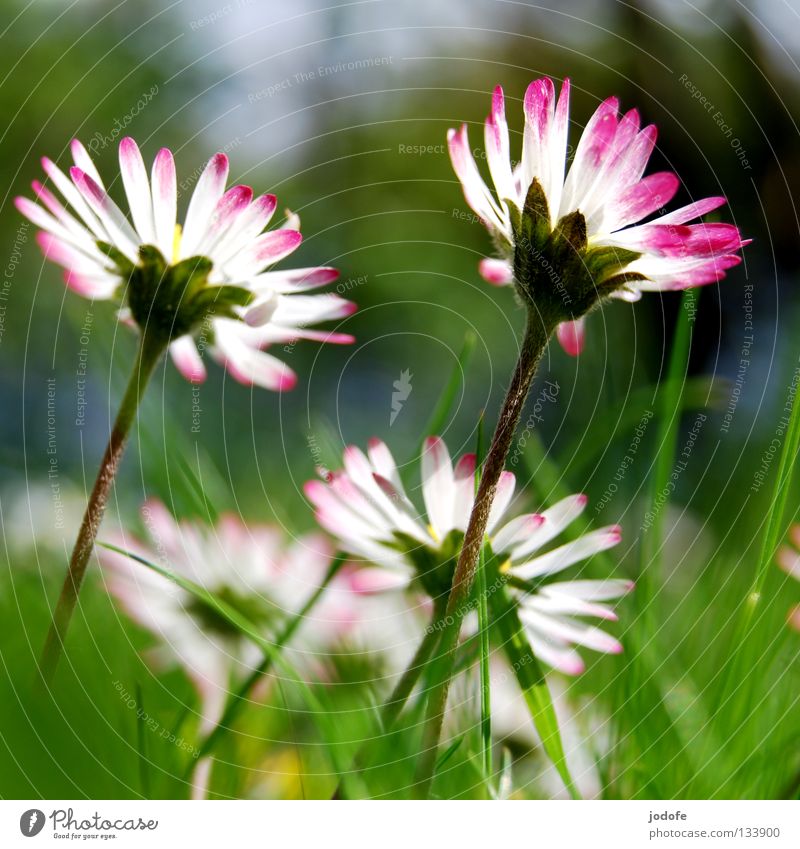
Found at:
(572, 335)
(165, 201)
(137, 189)
(438, 486)
(498, 272)
(187, 359)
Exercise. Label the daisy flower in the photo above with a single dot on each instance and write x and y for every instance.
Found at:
(252, 568)
(541, 211)
(365, 507)
(205, 281)
(789, 561)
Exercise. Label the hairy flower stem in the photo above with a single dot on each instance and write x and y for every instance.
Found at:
(394, 705)
(150, 349)
(537, 333)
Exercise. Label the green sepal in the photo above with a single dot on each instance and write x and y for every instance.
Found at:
(120, 262)
(536, 215)
(434, 566)
(606, 262)
(174, 300)
(571, 232)
(220, 301)
(190, 276)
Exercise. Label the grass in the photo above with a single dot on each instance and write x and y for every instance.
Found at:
(654, 723)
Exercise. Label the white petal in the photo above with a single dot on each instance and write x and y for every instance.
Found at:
(187, 359)
(438, 486)
(137, 189)
(569, 553)
(209, 189)
(165, 202)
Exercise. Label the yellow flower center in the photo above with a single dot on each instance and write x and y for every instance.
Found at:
(176, 244)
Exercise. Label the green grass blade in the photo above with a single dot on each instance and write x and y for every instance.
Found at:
(442, 410)
(483, 631)
(668, 403)
(529, 674)
(238, 699)
(141, 744)
(248, 630)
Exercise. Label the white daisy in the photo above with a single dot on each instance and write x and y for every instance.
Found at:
(365, 507)
(605, 184)
(98, 246)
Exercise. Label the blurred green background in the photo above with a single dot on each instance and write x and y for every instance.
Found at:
(341, 109)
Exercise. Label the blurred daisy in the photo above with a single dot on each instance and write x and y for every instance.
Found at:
(203, 284)
(789, 561)
(365, 507)
(252, 568)
(599, 203)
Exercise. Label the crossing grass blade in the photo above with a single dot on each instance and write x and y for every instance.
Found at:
(141, 744)
(669, 404)
(247, 629)
(483, 630)
(528, 672)
(442, 410)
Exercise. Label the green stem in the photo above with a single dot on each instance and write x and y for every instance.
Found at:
(486, 704)
(537, 335)
(237, 699)
(148, 355)
(393, 706)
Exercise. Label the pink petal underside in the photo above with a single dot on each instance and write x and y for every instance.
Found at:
(381, 458)
(692, 210)
(571, 336)
(64, 254)
(187, 359)
(705, 273)
(81, 158)
(108, 212)
(503, 495)
(498, 272)
(248, 365)
(228, 210)
(475, 190)
(464, 479)
(74, 198)
(693, 240)
(294, 279)
(207, 192)
(90, 286)
(538, 104)
(165, 201)
(302, 310)
(643, 198)
(247, 227)
(267, 249)
(137, 188)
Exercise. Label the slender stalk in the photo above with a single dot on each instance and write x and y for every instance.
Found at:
(394, 705)
(486, 704)
(537, 334)
(237, 699)
(150, 350)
